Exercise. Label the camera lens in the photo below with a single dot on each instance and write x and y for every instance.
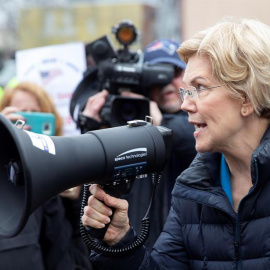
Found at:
(123, 109)
(127, 111)
(46, 126)
(47, 129)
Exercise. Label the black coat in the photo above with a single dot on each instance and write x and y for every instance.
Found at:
(44, 243)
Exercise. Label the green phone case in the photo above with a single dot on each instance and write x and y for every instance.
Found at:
(42, 123)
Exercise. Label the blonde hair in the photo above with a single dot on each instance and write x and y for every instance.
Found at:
(239, 54)
(45, 102)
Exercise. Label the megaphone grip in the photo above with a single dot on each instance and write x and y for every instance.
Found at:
(100, 233)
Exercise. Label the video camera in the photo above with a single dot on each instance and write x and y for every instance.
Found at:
(117, 71)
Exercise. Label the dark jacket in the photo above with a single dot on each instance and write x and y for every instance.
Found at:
(202, 230)
(79, 251)
(182, 154)
(44, 243)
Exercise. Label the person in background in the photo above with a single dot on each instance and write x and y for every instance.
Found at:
(29, 97)
(165, 109)
(51, 238)
(219, 218)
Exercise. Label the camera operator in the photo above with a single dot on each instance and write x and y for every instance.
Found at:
(165, 108)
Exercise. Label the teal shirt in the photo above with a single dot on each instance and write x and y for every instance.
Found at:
(225, 179)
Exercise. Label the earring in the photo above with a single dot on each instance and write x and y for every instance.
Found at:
(244, 111)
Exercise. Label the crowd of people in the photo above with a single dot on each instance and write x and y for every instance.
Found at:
(209, 209)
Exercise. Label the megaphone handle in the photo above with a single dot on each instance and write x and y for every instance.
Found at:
(99, 233)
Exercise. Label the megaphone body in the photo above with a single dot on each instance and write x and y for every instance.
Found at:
(35, 167)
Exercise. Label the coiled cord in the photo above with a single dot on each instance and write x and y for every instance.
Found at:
(92, 243)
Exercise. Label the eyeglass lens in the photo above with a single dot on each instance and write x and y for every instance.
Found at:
(190, 91)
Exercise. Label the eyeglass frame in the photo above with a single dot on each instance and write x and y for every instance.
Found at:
(195, 91)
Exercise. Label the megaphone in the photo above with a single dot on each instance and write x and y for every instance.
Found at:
(36, 167)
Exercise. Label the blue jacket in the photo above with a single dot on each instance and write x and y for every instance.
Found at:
(202, 230)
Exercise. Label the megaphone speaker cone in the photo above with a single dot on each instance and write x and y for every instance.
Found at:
(36, 167)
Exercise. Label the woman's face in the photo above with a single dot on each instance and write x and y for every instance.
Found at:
(215, 115)
(25, 101)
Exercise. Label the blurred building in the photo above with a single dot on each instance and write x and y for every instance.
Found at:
(199, 14)
(28, 24)
(41, 26)
(33, 23)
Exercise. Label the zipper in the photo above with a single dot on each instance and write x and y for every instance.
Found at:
(237, 245)
(237, 242)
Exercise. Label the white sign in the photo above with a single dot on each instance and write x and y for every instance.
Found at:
(59, 69)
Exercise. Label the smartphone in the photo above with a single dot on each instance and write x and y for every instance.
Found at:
(42, 123)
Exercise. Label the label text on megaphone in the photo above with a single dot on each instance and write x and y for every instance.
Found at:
(129, 154)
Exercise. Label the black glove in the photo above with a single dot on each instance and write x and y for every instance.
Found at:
(87, 124)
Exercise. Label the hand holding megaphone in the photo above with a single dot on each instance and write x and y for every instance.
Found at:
(98, 214)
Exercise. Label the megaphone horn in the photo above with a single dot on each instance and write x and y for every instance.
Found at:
(35, 167)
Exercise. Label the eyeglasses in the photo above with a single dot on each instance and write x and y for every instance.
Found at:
(192, 91)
